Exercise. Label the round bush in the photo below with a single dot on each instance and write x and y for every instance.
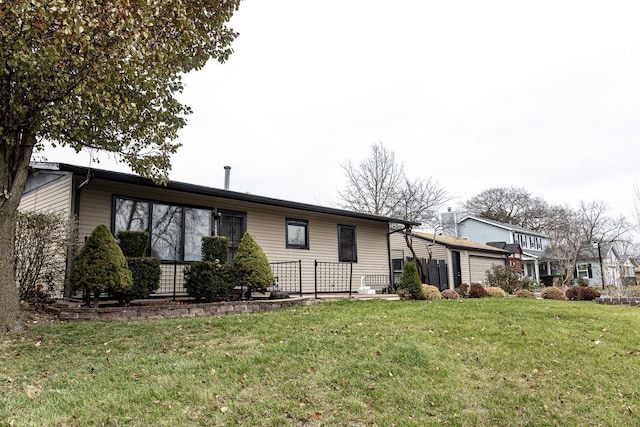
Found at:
(215, 248)
(495, 292)
(525, 293)
(431, 292)
(504, 277)
(477, 291)
(450, 294)
(551, 292)
(581, 293)
(410, 282)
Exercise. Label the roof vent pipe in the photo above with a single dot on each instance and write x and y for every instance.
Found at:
(227, 172)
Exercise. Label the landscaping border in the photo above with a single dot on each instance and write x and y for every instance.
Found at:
(631, 301)
(148, 312)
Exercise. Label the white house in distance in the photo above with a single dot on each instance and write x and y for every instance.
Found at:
(602, 266)
(484, 230)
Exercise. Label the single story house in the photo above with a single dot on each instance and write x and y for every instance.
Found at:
(454, 261)
(601, 266)
(307, 245)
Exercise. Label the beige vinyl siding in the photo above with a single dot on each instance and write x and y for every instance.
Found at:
(54, 196)
(266, 224)
(420, 246)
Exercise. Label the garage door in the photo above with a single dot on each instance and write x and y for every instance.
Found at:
(479, 266)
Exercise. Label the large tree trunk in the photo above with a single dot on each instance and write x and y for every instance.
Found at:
(14, 167)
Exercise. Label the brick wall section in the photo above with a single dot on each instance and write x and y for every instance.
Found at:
(176, 311)
(619, 301)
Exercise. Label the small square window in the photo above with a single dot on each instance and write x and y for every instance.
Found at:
(297, 234)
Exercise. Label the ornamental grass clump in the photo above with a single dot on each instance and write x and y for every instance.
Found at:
(495, 292)
(101, 266)
(450, 294)
(551, 292)
(252, 266)
(430, 292)
(409, 283)
(477, 291)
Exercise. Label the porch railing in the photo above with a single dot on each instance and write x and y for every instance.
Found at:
(333, 277)
(288, 275)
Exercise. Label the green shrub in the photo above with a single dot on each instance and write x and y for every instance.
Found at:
(146, 273)
(252, 265)
(209, 280)
(477, 291)
(133, 243)
(431, 292)
(528, 283)
(450, 294)
(581, 281)
(504, 277)
(581, 293)
(100, 266)
(463, 290)
(215, 248)
(551, 292)
(410, 281)
(495, 292)
(525, 293)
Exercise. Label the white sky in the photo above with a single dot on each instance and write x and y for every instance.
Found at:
(476, 94)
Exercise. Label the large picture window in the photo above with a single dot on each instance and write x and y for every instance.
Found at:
(175, 231)
(347, 248)
(297, 234)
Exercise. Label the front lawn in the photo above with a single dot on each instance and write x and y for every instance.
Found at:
(471, 362)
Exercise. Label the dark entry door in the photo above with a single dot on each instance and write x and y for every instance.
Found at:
(455, 266)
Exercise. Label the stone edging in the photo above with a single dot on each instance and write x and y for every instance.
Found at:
(631, 301)
(175, 311)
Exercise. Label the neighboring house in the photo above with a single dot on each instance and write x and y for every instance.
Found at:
(454, 261)
(179, 214)
(484, 230)
(590, 268)
(515, 254)
(628, 269)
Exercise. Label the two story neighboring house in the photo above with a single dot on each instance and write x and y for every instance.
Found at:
(491, 232)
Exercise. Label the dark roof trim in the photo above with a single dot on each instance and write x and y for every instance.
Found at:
(214, 192)
(491, 250)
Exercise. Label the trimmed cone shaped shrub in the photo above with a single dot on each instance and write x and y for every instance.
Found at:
(409, 282)
(100, 266)
(252, 265)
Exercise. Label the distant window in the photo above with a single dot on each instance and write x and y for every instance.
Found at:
(583, 271)
(397, 264)
(297, 234)
(347, 248)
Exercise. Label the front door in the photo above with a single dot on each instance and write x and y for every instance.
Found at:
(455, 267)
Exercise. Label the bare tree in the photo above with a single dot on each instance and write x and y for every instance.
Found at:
(379, 186)
(573, 233)
(511, 205)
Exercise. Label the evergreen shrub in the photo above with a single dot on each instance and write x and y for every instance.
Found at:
(209, 280)
(145, 272)
(133, 243)
(215, 248)
(252, 265)
(410, 282)
(100, 265)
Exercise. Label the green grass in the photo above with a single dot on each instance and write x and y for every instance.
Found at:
(472, 362)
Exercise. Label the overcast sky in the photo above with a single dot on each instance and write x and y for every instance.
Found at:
(543, 95)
